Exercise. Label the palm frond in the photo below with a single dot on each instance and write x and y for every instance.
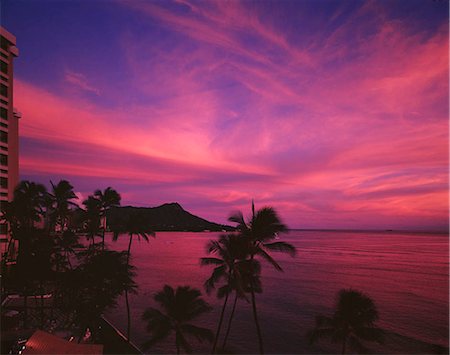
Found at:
(238, 218)
(211, 261)
(156, 339)
(268, 258)
(198, 332)
(218, 273)
(155, 319)
(282, 247)
(213, 246)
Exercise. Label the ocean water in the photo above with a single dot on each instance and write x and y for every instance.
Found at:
(406, 274)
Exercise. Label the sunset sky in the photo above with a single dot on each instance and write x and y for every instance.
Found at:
(333, 112)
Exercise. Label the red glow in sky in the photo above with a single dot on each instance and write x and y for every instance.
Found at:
(335, 113)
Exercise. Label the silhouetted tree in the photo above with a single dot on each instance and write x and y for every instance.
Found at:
(66, 243)
(259, 231)
(108, 198)
(95, 285)
(134, 225)
(60, 203)
(353, 321)
(179, 308)
(92, 217)
(28, 203)
(229, 249)
(249, 279)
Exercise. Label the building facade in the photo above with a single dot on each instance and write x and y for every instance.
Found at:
(9, 125)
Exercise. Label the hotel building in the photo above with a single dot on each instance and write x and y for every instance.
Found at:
(9, 125)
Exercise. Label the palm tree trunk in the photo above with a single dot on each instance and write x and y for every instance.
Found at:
(126, 292)
(129, 249)
(255, 313)
(104, 230)
(128, 316)
(229, 321)
(255, 317)
(220, 323)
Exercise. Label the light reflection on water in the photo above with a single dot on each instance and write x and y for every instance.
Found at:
(405, 274)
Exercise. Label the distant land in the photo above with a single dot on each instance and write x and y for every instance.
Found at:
(167, 217)
(173, 217)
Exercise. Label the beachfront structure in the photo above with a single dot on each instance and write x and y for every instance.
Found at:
(9, 126)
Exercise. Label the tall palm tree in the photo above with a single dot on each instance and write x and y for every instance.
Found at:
(92, 218)
(228, 250)
(61, 201)
(134, 225)
(108, 198)
(179, 308)
(353, 321)
(249, 279)
(259, 232)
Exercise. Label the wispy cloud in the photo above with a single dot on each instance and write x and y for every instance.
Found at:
(347, 126)
(80, 81)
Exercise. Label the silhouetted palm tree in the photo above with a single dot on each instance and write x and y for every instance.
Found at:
(259, 231)
(28, 203)
(179, 308)
(352, 321)
(23, 212)
(61, 200)
(249, 279)
(92, 218)
(108, 198)
(228, 250)
(66, 244)
(134, 225)
(10, 214)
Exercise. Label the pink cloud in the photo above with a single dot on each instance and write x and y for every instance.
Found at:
(350, 132)
(79, 80)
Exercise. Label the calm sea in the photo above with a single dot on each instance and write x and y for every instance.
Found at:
(406, 274)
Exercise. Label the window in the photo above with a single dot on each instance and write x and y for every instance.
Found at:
(3, 137)
(3, 67)
(4, 90)
(3, 171)
(3, 182)
(4, 43)
(3, 113)
(3, 228)
(3, 159)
